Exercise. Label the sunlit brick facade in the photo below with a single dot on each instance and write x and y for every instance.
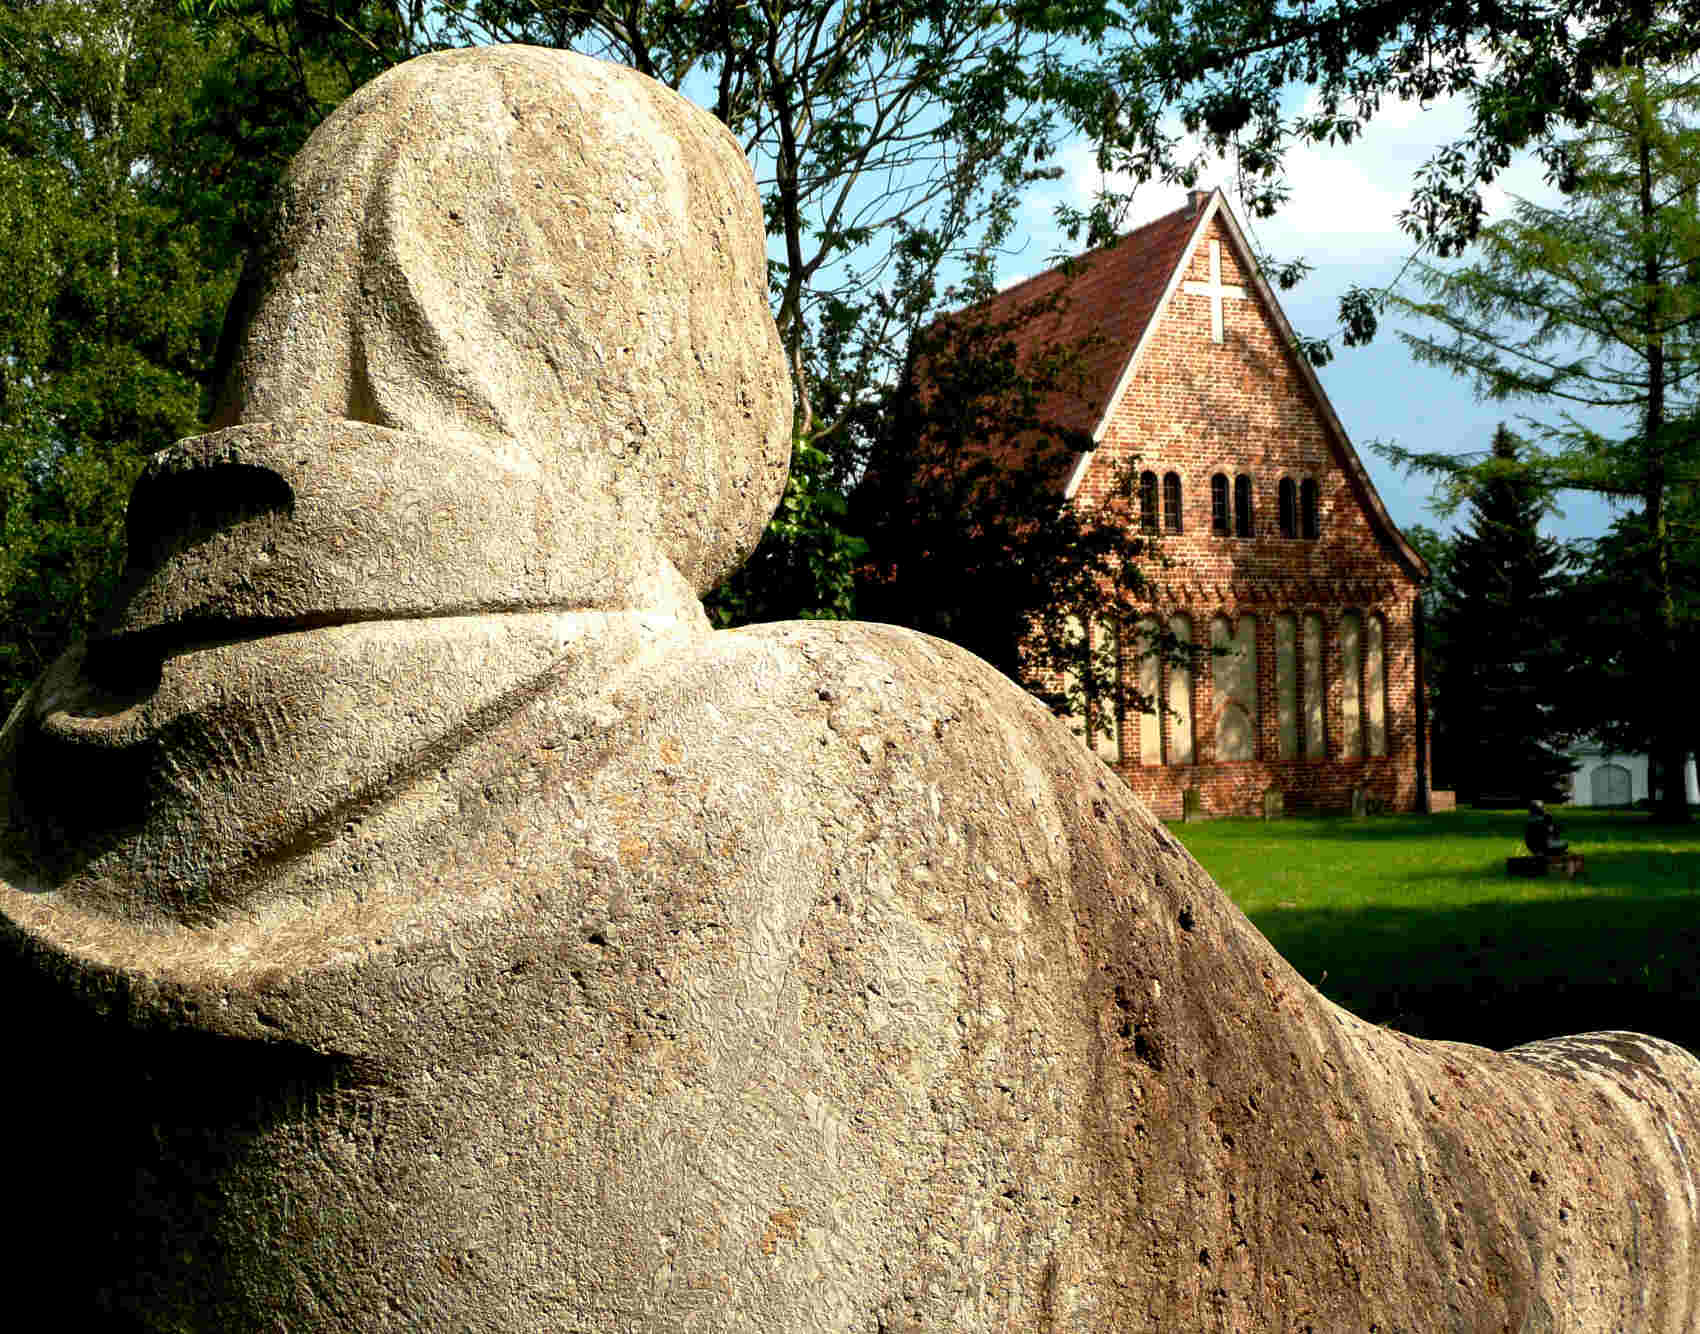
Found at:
(1282, 550)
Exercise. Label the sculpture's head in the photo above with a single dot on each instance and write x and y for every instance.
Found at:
(548, 271)
(506, 356)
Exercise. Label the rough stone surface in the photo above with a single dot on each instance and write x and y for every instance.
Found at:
(553, 275)
(407, 949)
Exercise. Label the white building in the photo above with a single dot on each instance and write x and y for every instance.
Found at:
(1607, 778)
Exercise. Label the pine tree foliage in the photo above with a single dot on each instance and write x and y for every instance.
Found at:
(1613, 589)
(1593, 304)
(1502, 615)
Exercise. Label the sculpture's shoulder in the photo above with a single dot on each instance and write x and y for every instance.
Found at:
(881, 678)
(809, 729)
(845, 699)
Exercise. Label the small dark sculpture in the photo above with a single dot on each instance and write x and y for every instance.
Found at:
(1542, 833)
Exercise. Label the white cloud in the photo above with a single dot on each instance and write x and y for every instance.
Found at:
(1339, 202)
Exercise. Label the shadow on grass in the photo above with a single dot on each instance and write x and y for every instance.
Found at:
(1588, 826)
(1501, 973)
(1489, 825)
(1629, 872)
(1672, 872)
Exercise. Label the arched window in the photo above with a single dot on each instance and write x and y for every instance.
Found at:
(1150, 690)
(1309, 515)
(1242, 506)
(1179, 699)
(1172, 501)
(1287, 496)
(1091, 686)
(1315, 694)
(1351, 685)
(1103, 720)
(1287, 683)
(1220, 522)
(1147, 502)
(1235, 666)
(1375, 684)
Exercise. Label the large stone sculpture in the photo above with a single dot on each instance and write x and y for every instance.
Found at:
(415, 917)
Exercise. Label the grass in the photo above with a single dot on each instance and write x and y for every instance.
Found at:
(1411, 920)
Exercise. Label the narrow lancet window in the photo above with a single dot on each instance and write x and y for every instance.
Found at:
(1234, 662)
(1180, 695)
(1315, 689)
(1288, 498)
(1375, 684)
(1104, 695)
(1287, 683)
(1308, 509)
(1150, 679)
(1220, 520)
(1351, 686)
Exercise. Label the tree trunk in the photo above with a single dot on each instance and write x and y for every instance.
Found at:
(1667, 671)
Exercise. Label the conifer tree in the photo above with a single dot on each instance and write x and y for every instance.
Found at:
(1613, 589)
(1592, 307)
(1506, 666)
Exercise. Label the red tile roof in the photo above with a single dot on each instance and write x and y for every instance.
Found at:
(1099, 303)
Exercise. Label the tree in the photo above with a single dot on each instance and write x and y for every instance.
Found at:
(1502, 618)
(114, 292)
(891, 139)
(1610, 594)
(969, 537)
(1593, 305)
(144, 142)
(804, 568)
(1224, 68)
(142, 146)
(889, 136)
(272, 72)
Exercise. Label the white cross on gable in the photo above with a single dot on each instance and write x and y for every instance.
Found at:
(1215, 291)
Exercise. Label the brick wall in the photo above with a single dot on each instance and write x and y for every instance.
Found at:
(1243, 407)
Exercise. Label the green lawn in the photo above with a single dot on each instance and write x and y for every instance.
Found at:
(1411, 920)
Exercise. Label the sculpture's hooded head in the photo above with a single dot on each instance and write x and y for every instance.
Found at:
(549, 272)
(506, 356)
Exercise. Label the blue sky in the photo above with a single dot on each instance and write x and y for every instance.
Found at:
(1341, 217)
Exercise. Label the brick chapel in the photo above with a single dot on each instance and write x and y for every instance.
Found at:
(1283, 554)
